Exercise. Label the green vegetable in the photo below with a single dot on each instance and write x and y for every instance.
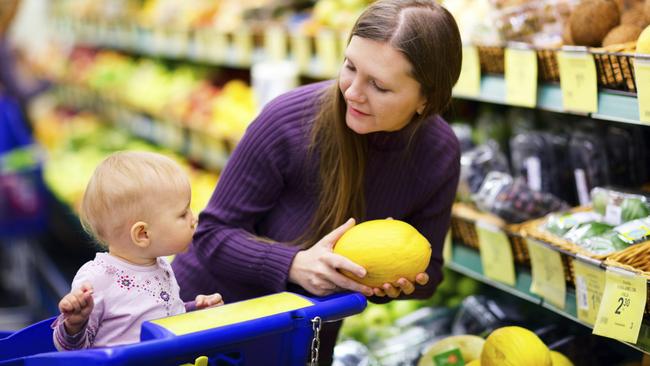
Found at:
(599, 200)
(605, 243)
(634, 208)
(584, 231)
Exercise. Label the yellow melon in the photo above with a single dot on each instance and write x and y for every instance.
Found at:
(559, 359)
(514, 346)
(387, 249)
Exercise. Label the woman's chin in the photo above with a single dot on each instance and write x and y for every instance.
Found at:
(356, 126)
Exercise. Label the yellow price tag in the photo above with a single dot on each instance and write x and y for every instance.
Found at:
(275, 43)
(301, 51)
(326, 52)
(521, 77)
(642, 76)
(469, 82)
(496, 254)
(622, 305)
(243, 44)
(590, 285)
(578, 81)
(547, 272)
(446, 249)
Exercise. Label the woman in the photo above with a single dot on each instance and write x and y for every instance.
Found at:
(370, 146)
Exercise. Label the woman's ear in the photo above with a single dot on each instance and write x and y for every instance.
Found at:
(139, 234)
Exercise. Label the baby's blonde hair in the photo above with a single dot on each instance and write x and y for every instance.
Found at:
(123, 189)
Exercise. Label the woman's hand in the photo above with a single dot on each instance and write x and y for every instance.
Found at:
(316, 269)
(401, 286)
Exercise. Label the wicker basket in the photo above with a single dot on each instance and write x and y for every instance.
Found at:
(547, 66)
(463, 229)
(491, 59)
(614, 66)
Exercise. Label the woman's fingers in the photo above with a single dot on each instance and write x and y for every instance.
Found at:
(390, 290)
(406, 286)
(422, 278)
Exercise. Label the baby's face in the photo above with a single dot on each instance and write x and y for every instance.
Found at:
(173, 222)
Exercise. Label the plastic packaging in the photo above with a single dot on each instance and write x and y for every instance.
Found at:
(618, 206)
(540, 158)
(589, 163)
(475, 165)
(513, 200)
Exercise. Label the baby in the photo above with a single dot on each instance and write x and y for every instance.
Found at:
(136, 205)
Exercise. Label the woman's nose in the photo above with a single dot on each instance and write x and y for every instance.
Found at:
(354, 93)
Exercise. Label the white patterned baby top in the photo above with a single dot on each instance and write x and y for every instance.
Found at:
(125, 295)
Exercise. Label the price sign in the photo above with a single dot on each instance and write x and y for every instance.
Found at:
(642, 76)
(243, 44)
(275, 43)
(496, 254)
(590, 285)
(446, 249)
(622, 305)
(578, 81)
(327, 53)
(218, 46)
(301, 51)
(469, 82)
(521, 77)
(547, 272)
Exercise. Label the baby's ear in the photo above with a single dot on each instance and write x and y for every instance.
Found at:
(139, 234)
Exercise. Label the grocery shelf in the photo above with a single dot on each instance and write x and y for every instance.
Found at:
(612, 106)
(467, 261)
(212, 152)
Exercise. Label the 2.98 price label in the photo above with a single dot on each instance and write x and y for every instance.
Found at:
(622, 305)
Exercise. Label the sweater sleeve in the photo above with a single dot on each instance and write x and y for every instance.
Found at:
(432, 220)
(248, 189)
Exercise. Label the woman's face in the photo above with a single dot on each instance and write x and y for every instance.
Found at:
(380, 93)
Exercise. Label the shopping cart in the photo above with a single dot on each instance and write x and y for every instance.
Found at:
(280, 329)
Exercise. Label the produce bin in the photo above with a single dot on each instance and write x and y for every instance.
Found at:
(277, 329)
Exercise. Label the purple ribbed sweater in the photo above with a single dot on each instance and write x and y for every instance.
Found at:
(268, 189)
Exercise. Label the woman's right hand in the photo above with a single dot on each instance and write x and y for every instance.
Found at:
(316, 268)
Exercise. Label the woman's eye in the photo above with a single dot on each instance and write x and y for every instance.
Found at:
(380, 89)
(349, 66)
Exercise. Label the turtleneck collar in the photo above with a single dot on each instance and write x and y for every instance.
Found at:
(393, 140)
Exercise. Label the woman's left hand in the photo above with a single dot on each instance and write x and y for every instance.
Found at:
(401, 286)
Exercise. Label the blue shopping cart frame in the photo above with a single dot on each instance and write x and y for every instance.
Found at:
(279, 339)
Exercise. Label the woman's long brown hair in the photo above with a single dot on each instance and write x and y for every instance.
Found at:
(427, 35)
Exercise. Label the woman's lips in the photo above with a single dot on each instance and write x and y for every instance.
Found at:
(357, 113)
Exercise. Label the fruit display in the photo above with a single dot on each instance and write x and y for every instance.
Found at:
(470, 347)
(381, 321)
(184, 95)
(387, 249)
(513, 346)
(77, 142)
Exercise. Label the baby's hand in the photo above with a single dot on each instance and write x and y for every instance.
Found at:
(206, 301)
(76, 308)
